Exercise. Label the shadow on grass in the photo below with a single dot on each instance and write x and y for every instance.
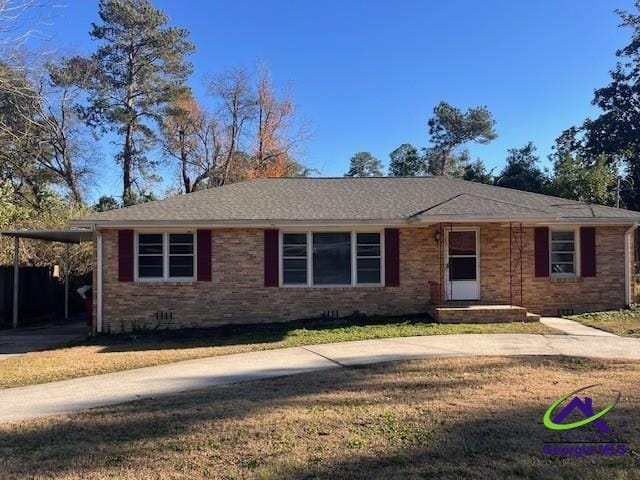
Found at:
(505, 445)
(227, 335)
(503, 441)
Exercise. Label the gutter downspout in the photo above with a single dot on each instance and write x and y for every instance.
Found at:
(628, 284)
(98, 280)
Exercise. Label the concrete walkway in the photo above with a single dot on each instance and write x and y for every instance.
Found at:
(574, 328)
(77, 394)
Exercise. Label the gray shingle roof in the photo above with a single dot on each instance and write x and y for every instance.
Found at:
(382, 199)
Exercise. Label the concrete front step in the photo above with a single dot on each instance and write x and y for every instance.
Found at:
(532, 317)
(482, 314)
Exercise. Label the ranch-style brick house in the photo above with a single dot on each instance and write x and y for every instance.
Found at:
(279, 249)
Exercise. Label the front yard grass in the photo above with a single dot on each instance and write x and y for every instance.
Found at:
(105, 354)
(455, 418)
(619, 322)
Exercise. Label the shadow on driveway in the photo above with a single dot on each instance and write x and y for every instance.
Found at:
(40, 337)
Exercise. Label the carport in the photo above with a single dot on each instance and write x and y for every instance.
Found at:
(68, 237)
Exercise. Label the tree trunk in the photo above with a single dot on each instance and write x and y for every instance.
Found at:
(443, 164)
(634, 171)
(70, 176)
(188, 187)
(230, 156)
(74, 189)
(127, 163)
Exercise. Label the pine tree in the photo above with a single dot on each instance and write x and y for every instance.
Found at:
(363, 164)
(406, 162)
(139, 68)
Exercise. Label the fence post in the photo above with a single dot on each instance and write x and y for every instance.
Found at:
(16, 279)
(66, 281)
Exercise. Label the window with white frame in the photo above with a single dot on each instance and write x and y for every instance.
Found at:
(150, 255)
(181, 255)
(165, 256)
(368, 258)
(331, 258)
(294, 258)
(563, 252)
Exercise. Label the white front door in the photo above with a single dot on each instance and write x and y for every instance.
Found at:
(462, 275)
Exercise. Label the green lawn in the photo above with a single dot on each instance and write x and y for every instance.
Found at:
(620, 322)
(107, 354)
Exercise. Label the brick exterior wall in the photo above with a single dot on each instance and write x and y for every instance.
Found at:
(603, 292)
(237, 294)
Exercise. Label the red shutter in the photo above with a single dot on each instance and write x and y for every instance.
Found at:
(541, 249)
(588, 252)
(271, 258)
(204, 255)
(125, 255)
(392, 257)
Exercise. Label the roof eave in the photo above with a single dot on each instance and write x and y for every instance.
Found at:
(267, 223)
(284, 223)
(51, 235)
(545, 220)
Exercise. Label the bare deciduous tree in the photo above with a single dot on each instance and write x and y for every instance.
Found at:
(44, 139)
(21, 19)
(278, 136)
(22, 136)
(237, 108)
(190, 136)
(258, 129)
(70, 140)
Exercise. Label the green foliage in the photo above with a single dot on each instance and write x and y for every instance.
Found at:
(140, 68)
(106, 203)
(477, 172)
(11, 212)
(363, 164)
(406, 161)
(460, 166)
(521, 171)
(450, 128)
(575, 179)
(47, 210)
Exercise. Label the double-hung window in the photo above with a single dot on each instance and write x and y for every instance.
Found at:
(180, 255)
(331, 258)
(563, 252)
(165, 256)
(151, 256)
(294, 258)
(368, 258)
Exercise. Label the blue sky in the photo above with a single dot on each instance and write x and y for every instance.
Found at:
(367, 74)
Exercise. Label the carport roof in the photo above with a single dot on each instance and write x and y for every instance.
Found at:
(64, 236)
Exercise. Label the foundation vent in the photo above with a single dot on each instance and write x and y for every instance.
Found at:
(164, 316)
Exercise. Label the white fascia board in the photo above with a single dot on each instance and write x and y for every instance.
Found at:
(548, 220)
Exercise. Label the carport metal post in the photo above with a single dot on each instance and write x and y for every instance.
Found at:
(16, 278)
(66, 281)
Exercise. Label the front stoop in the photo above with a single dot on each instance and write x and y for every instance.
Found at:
(481, 314)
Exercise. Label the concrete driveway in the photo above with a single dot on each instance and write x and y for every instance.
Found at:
(71, 395)
(40, 337)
